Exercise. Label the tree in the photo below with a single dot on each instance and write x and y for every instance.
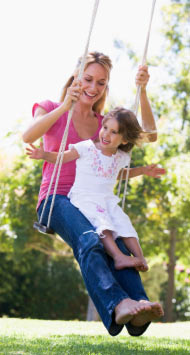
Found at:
(159, 209)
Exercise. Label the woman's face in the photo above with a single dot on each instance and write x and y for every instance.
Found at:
(94, 83)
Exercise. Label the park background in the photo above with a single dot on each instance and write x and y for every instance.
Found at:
(40, 45)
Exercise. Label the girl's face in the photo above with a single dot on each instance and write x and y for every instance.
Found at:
(94, 83)
(109, 137)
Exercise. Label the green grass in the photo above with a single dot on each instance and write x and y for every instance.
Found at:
(28, 336)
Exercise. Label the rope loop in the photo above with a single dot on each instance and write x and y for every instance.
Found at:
(136, 106)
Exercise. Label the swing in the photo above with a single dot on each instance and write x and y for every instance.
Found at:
(38, 225)
(135, 109)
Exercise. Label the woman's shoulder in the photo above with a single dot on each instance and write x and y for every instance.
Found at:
(47, 105)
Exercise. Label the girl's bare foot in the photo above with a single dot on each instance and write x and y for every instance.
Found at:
(154, 313)
(123, 261)
(127, 309)
(144, 266)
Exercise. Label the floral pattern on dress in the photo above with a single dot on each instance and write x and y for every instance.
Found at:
(98, 167)
(100, 209)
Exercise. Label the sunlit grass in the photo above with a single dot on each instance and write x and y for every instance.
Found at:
(89, 338)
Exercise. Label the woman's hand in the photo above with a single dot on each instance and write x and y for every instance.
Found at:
(142, 76)
(73, 94)
(153, 170)
(34, 152)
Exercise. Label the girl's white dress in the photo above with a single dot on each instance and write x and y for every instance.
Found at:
(92, 191)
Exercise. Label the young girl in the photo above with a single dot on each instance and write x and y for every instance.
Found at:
(97, 168)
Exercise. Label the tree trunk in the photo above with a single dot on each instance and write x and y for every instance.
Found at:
(92, 314)
(171, 277)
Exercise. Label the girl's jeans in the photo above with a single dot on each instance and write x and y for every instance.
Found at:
(106, 286)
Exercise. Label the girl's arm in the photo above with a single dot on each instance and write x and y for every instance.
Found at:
(44, 120)
(150, 170)
(148, 122)
(50, 157)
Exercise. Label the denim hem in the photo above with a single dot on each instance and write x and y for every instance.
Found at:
(136, 331)
(115, 329)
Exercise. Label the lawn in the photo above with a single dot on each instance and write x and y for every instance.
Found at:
(29, 336)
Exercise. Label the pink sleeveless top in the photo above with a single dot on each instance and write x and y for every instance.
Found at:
(52, 140)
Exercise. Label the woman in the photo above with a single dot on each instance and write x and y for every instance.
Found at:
(117, 294)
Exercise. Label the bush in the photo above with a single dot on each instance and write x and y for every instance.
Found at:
(43, 287)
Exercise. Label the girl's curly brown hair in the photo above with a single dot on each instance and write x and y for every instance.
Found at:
(129, 127)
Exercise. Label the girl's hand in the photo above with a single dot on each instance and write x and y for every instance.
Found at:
(73, 94)
(153, 170)
(35, 153)
(142, 76)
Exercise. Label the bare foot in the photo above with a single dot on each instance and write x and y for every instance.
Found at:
(144, 267)
(124, 261)
(128, 309)
(154, 313)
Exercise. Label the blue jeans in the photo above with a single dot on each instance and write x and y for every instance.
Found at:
(106, 286)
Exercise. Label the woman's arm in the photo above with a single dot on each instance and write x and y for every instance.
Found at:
(50, 157)
(150, 170)
(42, 123)
(44, 120)
(148, 122)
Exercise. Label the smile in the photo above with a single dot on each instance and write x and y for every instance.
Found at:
(104, 141)
(89, 95)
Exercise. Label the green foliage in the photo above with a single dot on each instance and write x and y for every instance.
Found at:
(158, 208)
(182, 293)
(43, 287)
(176, 18)
(154, 279)
(176, 56)
(162, 203)
(20, 191)
(38, 285)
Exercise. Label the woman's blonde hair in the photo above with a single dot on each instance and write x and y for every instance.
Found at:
(93, 57)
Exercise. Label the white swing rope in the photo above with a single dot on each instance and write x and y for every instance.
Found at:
(59, 159)
(135, 109)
